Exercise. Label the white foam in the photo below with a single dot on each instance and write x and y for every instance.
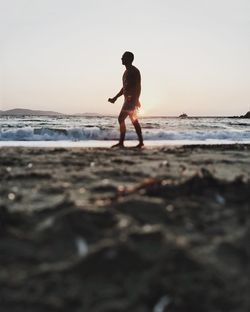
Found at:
(96, 133)
(108, 144)
(80, 129)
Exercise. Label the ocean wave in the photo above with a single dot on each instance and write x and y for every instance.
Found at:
(98, 133)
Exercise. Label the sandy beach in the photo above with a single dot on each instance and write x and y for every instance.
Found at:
(102, 230)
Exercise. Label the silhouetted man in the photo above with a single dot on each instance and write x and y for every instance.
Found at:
(131, 90)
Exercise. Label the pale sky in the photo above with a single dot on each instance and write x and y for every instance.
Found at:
(65, 55)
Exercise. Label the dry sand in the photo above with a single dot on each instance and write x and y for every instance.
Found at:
(101, 230)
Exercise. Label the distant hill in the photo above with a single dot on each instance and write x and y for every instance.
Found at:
(31, 112)
(28, 112)
(88, 115)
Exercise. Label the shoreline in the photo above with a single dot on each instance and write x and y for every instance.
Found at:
(128, 143)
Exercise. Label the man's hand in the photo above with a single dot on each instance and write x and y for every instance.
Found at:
(112, 100)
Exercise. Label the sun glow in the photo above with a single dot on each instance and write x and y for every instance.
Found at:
(141, 112)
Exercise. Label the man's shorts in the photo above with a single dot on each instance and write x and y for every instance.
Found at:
(130, 106)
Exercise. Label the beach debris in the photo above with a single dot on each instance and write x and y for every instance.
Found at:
(220, 199)
(92, 164)
(142, 185)
(82, 247)
(45, 224)
(162, 304)
(30, 165)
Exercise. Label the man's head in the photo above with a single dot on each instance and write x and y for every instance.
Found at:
(127, 58)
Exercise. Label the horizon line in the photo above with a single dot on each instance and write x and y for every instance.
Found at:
(88, 114)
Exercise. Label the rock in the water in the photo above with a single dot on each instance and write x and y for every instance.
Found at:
(247, 115)
(183, 116)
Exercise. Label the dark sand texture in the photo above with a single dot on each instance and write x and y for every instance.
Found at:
(101, 230)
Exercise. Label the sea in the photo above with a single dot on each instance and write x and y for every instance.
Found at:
(101, 131)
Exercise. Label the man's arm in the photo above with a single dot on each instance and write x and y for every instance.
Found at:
(120, 93)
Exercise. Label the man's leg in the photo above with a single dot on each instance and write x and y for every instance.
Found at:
(121, 119)
(137, 126)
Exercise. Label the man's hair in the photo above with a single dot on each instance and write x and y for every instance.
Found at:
(129, 56)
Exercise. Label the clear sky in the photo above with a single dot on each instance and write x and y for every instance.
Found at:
(65, 55)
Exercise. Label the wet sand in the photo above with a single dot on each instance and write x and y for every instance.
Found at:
(101, 230)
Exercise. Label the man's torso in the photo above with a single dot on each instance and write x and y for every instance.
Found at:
(132, 85)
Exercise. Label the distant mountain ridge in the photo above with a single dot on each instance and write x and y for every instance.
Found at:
(87, 115)
(28, 112)
(32, 112)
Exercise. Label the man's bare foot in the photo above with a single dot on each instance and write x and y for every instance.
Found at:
(118, 145)
(140, 145)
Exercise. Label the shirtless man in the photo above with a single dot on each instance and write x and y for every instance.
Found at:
(131, 90)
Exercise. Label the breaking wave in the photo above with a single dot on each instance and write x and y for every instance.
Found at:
(98, 133)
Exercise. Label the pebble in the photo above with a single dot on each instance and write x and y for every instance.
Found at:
(8, 169)
(11, 196)
(170, 208)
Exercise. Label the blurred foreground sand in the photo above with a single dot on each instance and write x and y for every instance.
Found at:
(159, 229)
